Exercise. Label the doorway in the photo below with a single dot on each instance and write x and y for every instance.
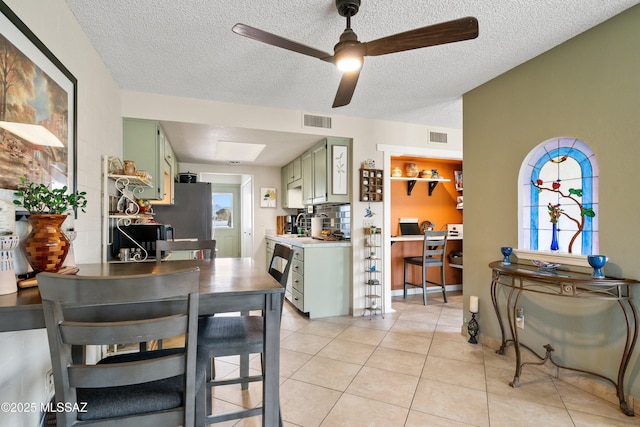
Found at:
(232, 213)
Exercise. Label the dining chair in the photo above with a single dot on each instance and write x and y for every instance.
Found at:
(434, 248)
(206, 247)
(152, 388)
(220, 336)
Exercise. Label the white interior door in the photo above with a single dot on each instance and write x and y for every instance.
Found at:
(227, 219)
(247, 218)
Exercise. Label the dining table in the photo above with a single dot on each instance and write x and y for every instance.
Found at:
(226, 285)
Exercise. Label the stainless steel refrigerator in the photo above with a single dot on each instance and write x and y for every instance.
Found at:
(191, 214)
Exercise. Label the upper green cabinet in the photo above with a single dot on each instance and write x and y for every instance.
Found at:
(293, 173)
(146, 144)
(326, 172)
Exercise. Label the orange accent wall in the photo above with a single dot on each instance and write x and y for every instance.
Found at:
(439, 208)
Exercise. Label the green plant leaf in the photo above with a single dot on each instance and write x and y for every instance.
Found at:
(41, 199)
(588, 212)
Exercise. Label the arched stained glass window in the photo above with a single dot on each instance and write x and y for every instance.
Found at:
(559, 198)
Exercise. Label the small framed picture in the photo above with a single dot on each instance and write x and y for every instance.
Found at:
(458, 176)
(268, 197)
(340, 160)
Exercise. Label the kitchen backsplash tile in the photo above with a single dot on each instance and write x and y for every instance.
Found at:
(340, 214)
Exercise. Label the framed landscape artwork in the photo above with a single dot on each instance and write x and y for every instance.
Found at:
(38, 97)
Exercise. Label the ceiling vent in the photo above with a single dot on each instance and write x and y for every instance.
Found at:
(439, 137)
(311, 121)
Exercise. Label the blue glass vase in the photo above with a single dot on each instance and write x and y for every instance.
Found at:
(555, 247)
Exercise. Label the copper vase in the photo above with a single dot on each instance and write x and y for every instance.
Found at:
(46, 246)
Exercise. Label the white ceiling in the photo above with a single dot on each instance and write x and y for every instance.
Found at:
(186, 48)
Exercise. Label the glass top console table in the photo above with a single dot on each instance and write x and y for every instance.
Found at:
(519, 278)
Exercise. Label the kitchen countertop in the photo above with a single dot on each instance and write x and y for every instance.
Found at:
(307, 242)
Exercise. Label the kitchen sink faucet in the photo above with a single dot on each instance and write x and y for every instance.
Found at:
(302, 227)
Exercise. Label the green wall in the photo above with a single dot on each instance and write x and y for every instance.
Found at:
(587, 88)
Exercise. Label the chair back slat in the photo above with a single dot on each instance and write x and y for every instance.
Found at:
(101, 333)
(435, 244)
(126, 373)
(281, 263)
(208, 247)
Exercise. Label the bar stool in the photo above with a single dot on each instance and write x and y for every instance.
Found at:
(434, 248)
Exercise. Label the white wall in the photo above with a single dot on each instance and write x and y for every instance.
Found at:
(24, 359)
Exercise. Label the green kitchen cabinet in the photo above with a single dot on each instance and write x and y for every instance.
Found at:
(144, 142)
(326, 172)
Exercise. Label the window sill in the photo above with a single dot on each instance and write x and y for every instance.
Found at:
(547, 256)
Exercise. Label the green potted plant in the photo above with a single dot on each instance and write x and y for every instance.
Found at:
(46, 246)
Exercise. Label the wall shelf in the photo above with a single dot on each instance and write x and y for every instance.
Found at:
(411, 182)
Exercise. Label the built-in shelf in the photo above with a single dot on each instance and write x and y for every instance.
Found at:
(411, 182)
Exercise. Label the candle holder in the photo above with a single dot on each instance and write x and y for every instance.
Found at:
(473, 328)
(8, 284)
(597, 262)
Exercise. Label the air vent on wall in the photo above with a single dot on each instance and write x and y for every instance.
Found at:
(309, 120)
(439, 137)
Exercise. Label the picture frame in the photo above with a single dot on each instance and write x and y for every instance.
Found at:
(38, 120)
(339, 162)
(458, 179)
(267, 197)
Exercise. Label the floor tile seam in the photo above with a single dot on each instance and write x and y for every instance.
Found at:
(631, 422)
(445, 418)
(311, 335)
(444, 381)
(486, 392)
(569, 410)
(410, 334)
(320, 335)
(258, 404)
(528, 399)
(381, 401)
(459, 360)
(511, 398)
(330, 388)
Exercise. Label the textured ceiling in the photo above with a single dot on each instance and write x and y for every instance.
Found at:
(186, 48)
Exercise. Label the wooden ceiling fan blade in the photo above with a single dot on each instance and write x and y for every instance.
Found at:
(346, 88)
(432, 35)
(274, 40)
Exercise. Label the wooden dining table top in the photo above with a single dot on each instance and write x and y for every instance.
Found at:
(22, 310)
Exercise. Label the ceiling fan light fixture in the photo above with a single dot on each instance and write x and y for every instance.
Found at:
(349, 63)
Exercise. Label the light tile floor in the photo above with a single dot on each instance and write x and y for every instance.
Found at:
(412, 368)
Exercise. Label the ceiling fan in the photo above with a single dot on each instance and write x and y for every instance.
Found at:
(349, 53)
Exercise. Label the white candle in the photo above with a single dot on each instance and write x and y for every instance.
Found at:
(473, 304)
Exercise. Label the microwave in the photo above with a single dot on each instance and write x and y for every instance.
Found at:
(144, 235)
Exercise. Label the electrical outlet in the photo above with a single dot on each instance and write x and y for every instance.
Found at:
(49, 387)
(520, 317)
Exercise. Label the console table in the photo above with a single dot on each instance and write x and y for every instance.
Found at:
(519, 278)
